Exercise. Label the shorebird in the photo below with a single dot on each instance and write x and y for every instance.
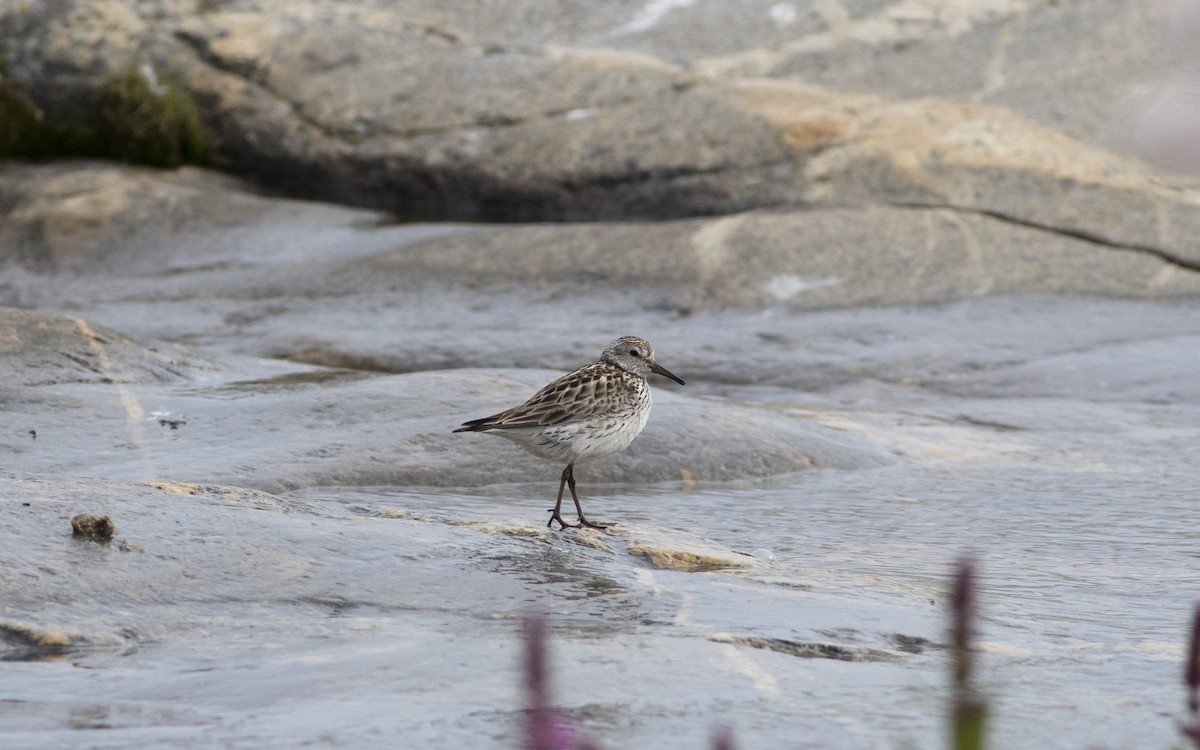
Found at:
(590, 413)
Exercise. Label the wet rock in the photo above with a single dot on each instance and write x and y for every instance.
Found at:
(913, 644)
(805, 650)
(393, 430)
(42, 349)
(94, 217)
(628, 111)
(819, 258)
(396, 430)
(231, 495)
(314, 578)
(94, 527)
(676, 554)
(174, 236)
(21, 641)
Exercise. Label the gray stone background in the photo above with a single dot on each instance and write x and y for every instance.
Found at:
(930, 268)
(856, 152)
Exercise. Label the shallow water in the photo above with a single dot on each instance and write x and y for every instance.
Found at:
(1089, 577)
(1053, 438)
(353, 616)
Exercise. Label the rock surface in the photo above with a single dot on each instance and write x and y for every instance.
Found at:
(649, 110)
(924, 137)
(201, 234)
(41, 349)
(381, 431)
(260, 391)
(814, 259)
(90, 216)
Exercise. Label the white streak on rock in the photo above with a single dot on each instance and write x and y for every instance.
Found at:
(651, 15)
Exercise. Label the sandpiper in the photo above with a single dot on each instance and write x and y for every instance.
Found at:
(590, 413)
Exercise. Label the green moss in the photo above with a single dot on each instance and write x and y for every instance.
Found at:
(19, 122)
(132, 120)
(140, 123)
(18, 115)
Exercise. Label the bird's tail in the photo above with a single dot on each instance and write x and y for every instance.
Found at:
(474, 425)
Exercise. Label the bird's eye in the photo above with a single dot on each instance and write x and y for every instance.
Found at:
(635, 353)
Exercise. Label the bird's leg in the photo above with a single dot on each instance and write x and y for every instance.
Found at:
(558, 505)
(569, 475)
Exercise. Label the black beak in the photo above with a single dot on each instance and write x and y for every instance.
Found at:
(665, 373)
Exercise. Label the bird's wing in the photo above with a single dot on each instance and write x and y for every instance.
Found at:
(574, 397)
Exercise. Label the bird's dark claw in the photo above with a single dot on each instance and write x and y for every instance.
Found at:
(561, 523)
(583, 523)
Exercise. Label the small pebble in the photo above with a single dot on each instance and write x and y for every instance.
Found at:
(100, 528)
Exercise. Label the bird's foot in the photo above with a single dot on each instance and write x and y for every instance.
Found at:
(591, 525)
(561, 523)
